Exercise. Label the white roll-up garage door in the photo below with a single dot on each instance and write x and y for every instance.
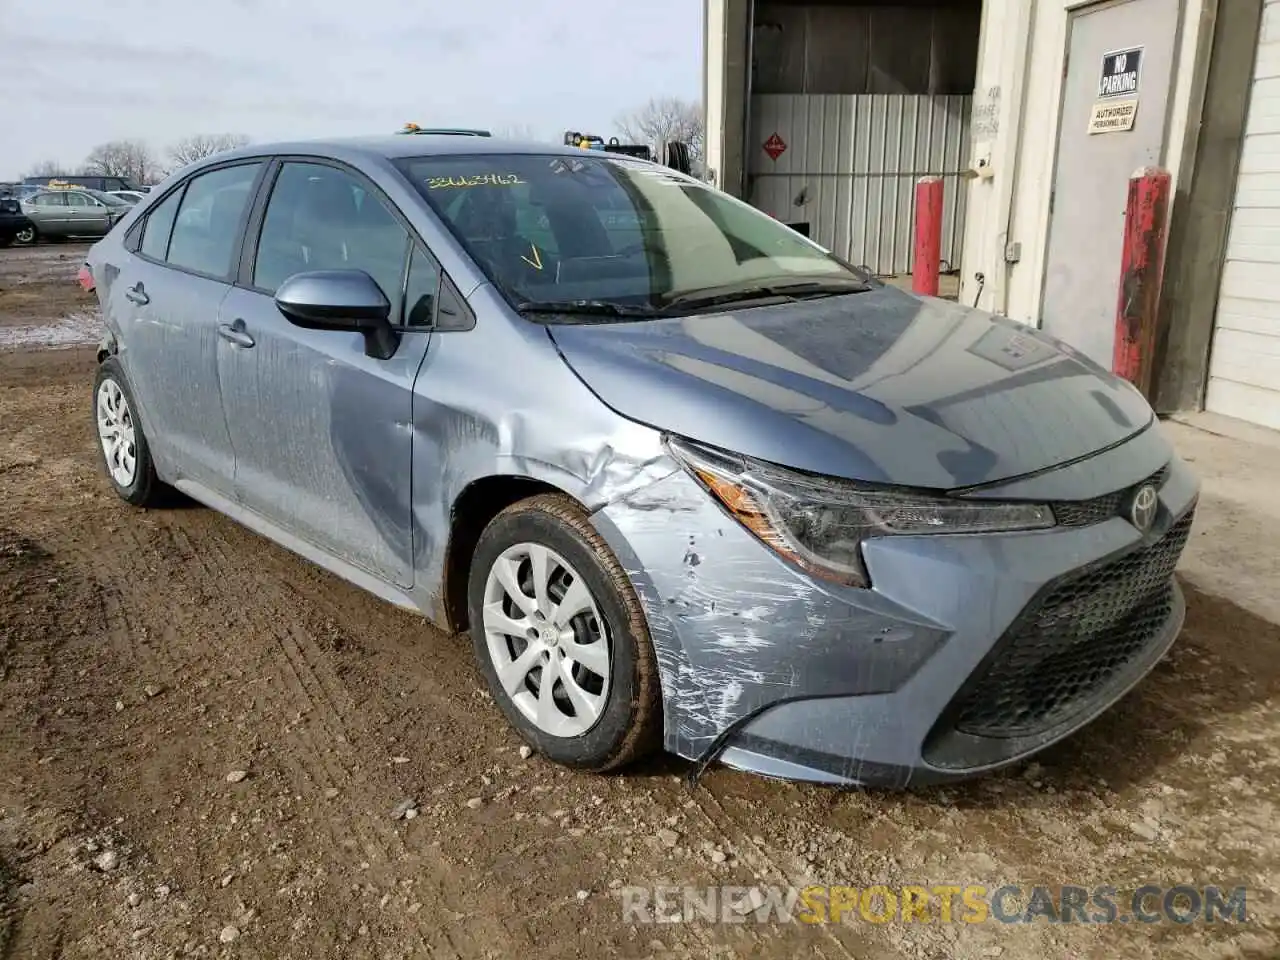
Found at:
(1244, 365)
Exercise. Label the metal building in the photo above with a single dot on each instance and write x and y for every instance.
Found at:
(1037, 113)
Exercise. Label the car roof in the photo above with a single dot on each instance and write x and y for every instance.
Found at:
(396, 146)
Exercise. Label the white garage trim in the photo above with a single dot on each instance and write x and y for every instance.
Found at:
(1244, 365)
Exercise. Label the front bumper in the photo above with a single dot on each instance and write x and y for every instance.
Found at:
(971, 651)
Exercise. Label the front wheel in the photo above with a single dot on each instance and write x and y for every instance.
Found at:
(123, 447)
(561, 638)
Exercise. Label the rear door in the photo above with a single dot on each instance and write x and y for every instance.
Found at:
(165, 306)
(321, 432)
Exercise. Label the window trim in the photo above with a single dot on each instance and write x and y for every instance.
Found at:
(255, 189)
(243, 277)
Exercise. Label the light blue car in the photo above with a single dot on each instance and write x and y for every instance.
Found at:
(687, 479)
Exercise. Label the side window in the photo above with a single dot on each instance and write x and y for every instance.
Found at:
(78, 200)
(207, 226)
(321, 218)
(155, 233)
(50, 200)
(422, 290)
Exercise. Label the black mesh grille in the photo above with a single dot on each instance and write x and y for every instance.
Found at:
(1083, 513)
(1061, 652)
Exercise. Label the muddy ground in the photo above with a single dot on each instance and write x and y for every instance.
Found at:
(147, 656)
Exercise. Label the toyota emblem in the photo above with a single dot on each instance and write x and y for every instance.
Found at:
(1142, 510)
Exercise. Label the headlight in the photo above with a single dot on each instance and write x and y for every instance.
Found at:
(820, 524)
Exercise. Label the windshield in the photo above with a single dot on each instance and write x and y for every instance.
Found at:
(108, 199)
(568, 229)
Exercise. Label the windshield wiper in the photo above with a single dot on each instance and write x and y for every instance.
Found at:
(784, 289)
(591, 308)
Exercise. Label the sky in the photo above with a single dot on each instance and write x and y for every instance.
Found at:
(75, 73)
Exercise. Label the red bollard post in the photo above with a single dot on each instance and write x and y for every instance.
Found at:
(1146, 223)
(928, 251)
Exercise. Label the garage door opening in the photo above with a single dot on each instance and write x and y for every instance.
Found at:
(850, 103)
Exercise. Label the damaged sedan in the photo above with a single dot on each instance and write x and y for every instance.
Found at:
(687, 480)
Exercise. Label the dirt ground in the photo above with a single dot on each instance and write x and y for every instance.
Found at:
(147, 656)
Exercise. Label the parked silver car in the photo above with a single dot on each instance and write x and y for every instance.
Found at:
(685, 477)
(65, 213)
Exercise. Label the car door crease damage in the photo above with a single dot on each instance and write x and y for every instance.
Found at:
(685, 478)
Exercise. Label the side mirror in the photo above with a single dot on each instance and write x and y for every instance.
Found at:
(341, 300)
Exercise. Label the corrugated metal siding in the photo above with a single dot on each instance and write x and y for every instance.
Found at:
(1244, 366)
(851, 165)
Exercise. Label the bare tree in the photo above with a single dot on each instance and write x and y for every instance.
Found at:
(201, 145)
(48, 168)
(663, 120)
(517, 131)
(131, 159)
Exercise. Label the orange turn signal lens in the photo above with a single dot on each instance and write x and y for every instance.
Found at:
(746, 509)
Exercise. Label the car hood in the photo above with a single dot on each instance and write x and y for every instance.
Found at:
(881, 386)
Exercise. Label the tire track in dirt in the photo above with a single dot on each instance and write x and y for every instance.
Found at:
(132, 583)
(295, 623)
(323, 756)
(144, 575)
(298, 600)
(329, 753)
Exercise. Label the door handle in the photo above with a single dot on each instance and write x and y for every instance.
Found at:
(235, 333)
(137, 294)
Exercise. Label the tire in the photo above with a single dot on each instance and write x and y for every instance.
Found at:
(27, 236)
(115, 420)
(678, 157)
(617, 708)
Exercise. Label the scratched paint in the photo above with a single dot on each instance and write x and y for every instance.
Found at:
(742, 630)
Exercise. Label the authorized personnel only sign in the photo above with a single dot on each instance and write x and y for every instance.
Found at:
(1113, 116)
(1121, 72)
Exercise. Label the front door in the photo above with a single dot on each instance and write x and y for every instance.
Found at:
(1114, 106)
(321, 431)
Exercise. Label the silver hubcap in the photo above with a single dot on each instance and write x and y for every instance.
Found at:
(115, 430)
(547, 640)
(25, 235)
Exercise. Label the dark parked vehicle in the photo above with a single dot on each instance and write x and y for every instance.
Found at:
(686, 477)
(14, 224)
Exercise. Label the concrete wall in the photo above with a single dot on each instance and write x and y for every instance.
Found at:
(1016, 107)
(727, 65)
(1202, 207)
